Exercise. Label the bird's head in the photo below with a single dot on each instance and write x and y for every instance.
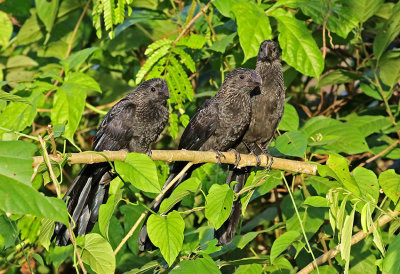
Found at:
(153, 90)
(242, 79)
(268, 51)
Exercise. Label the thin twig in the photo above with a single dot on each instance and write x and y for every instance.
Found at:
(54, 179)
(324, 28)
(380, 153)
(144, 214)
(190, 156)
(355, 239)
(70, 43)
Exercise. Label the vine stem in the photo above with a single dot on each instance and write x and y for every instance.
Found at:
(188, 156)
(355, 239)
(54, 179)
(144, 214)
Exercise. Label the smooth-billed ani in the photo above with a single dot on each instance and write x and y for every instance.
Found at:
(267, 110)
(132, 124)
(217, 125)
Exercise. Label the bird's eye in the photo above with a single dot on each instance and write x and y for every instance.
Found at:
(153, 89)
(241, 76)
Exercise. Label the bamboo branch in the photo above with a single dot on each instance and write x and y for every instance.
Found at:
(355, 239)
(188, 156)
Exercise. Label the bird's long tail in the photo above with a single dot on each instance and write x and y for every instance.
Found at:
(84, 198)
(144, 240)
(227, 231)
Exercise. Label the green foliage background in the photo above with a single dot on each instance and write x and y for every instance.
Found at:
(64, 62)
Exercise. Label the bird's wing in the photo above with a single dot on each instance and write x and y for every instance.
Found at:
(116, 130)
(201, 126)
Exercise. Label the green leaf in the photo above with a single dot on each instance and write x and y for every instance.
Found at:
(12, 98)
(6, 29)
(131, 215)
(346, 239)
(30, 31)
(199, 265)
(140, 171)
(299, 48)
(292, 143)
(290, 119)
(19, 198)
(184, 189)
(77, 58)
(249, 269)
(20, 61)
(391, 262)
(69, 103)
(167, 234)
(371, 91)
(282, 243)
(221, 44)
(253, 27)
(9, 231)
(219, 204)
(339, 76)
(106, 211)
(16, 161)
(84, 81)
(340, 166)
(98, 254)
(316, 201)
(46, 231)
(47, 12)
(388, 32)
(225, 6)
(390, 68)
(368, 184)
(390, 183)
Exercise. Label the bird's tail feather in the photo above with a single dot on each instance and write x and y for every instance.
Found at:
(227, 231)
(84, 198)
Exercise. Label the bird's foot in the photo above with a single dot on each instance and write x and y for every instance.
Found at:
(257, 158)
(219, 155)
(149, 153)
(270, 160)
(237, 157)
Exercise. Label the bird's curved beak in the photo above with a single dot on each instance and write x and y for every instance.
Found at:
(255, 80)
(165, 91)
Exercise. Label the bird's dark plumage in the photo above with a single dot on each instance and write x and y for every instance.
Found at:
(267, 110)
(217, 125)
(132, 124)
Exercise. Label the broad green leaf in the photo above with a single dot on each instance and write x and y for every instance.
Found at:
(140, 171)
(249, 269)
(20, 61)
(338, 76)
(390, 68)
(340, 166)
(8, 230)
(371, 91)
(47, 12)
(346, 239)
(290, 119)
(377, 237)
(368, 124)
(30, 31)
(106, 211)
(388, 32)
(199, 265)
(98, 254)
(184, 189)
(77, 58)
(16, 161)
(316, 201)
(368, 184)
(299, 48)
(6, 29)
(391, 262)
(292, 143)
(167, 234)
(367, 8)
(312, 220)
(19, 198)
(221, 44)
(219, 204)
(282, 243)
(131, 215)
(84, 81)
(46, 231)
(253, 27)
(248, 237)
(390, 183)
(69, 103)
(12, 97)
(225, 6)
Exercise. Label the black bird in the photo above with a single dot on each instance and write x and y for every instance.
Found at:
(132, 124)
(267, 110)
(217, 125)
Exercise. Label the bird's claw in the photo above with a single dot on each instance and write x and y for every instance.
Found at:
(149, 153)
(237, 157)
(270, 160)
(257, 158)
(219, 155)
